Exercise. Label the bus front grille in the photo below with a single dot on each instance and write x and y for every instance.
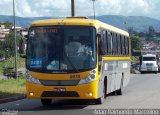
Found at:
(59, 82)
(60, 94)
(149, 64)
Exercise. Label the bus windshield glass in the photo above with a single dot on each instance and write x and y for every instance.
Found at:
(57, 49)
(149, 58)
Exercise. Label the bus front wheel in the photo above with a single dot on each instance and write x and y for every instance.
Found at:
(46, 101)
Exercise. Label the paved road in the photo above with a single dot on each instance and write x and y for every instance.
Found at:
(142, 92)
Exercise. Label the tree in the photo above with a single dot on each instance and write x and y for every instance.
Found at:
(8, 45)
(2, 54)
(7, 24)
(136, 43)
(22, 46)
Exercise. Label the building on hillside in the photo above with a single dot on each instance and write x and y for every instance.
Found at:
(18, 29)
(3, 32)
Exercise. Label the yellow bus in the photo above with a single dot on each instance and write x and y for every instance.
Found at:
(76, 58)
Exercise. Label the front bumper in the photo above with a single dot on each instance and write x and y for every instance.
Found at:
(149, 69)
(82, 91)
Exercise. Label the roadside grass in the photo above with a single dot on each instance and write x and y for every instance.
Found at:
(12, 87)
(11, 63)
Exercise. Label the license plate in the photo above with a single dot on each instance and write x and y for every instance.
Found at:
(59, 89)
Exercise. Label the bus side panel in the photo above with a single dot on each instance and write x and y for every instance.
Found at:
(108, 71)
(105, 74)
(100, 86)
(122, 73)
(113, 70)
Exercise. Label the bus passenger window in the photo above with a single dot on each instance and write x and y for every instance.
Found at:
(117, 45)
(114, 44)
(103, 43)
(126, 45)
(109, 36)
(121, 46)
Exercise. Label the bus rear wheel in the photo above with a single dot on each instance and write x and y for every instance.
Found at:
(119, 91)
(46, 101)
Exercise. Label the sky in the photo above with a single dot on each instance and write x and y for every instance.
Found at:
(61, 8)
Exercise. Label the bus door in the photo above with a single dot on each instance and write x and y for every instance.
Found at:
(109, 67)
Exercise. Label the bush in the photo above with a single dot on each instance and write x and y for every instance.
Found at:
(9, 72)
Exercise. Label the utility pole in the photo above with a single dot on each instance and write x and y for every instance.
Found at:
(15, 41)
(72, 7)
(94, 12)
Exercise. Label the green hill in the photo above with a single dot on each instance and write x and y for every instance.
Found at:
(139, 23)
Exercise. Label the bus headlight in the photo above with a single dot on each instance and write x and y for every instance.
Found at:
(32, 79)
(88, 79)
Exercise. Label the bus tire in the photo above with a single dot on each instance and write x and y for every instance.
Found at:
(101, 99)
(119, 91)
(46, 101)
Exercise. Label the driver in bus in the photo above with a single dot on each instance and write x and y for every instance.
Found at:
(78, 47)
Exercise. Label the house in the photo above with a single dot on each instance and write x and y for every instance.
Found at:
(3, 32)
(18, 29)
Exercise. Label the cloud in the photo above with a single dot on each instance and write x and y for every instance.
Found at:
(51, 7)
(23, 9)
(5, 1)
(6, 7)
(114, 7)
(61, 8)
(123, 7)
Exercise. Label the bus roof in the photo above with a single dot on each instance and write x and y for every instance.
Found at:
(81, 21)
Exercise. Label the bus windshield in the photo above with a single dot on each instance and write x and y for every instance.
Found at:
(149, 58)
(57, 49)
